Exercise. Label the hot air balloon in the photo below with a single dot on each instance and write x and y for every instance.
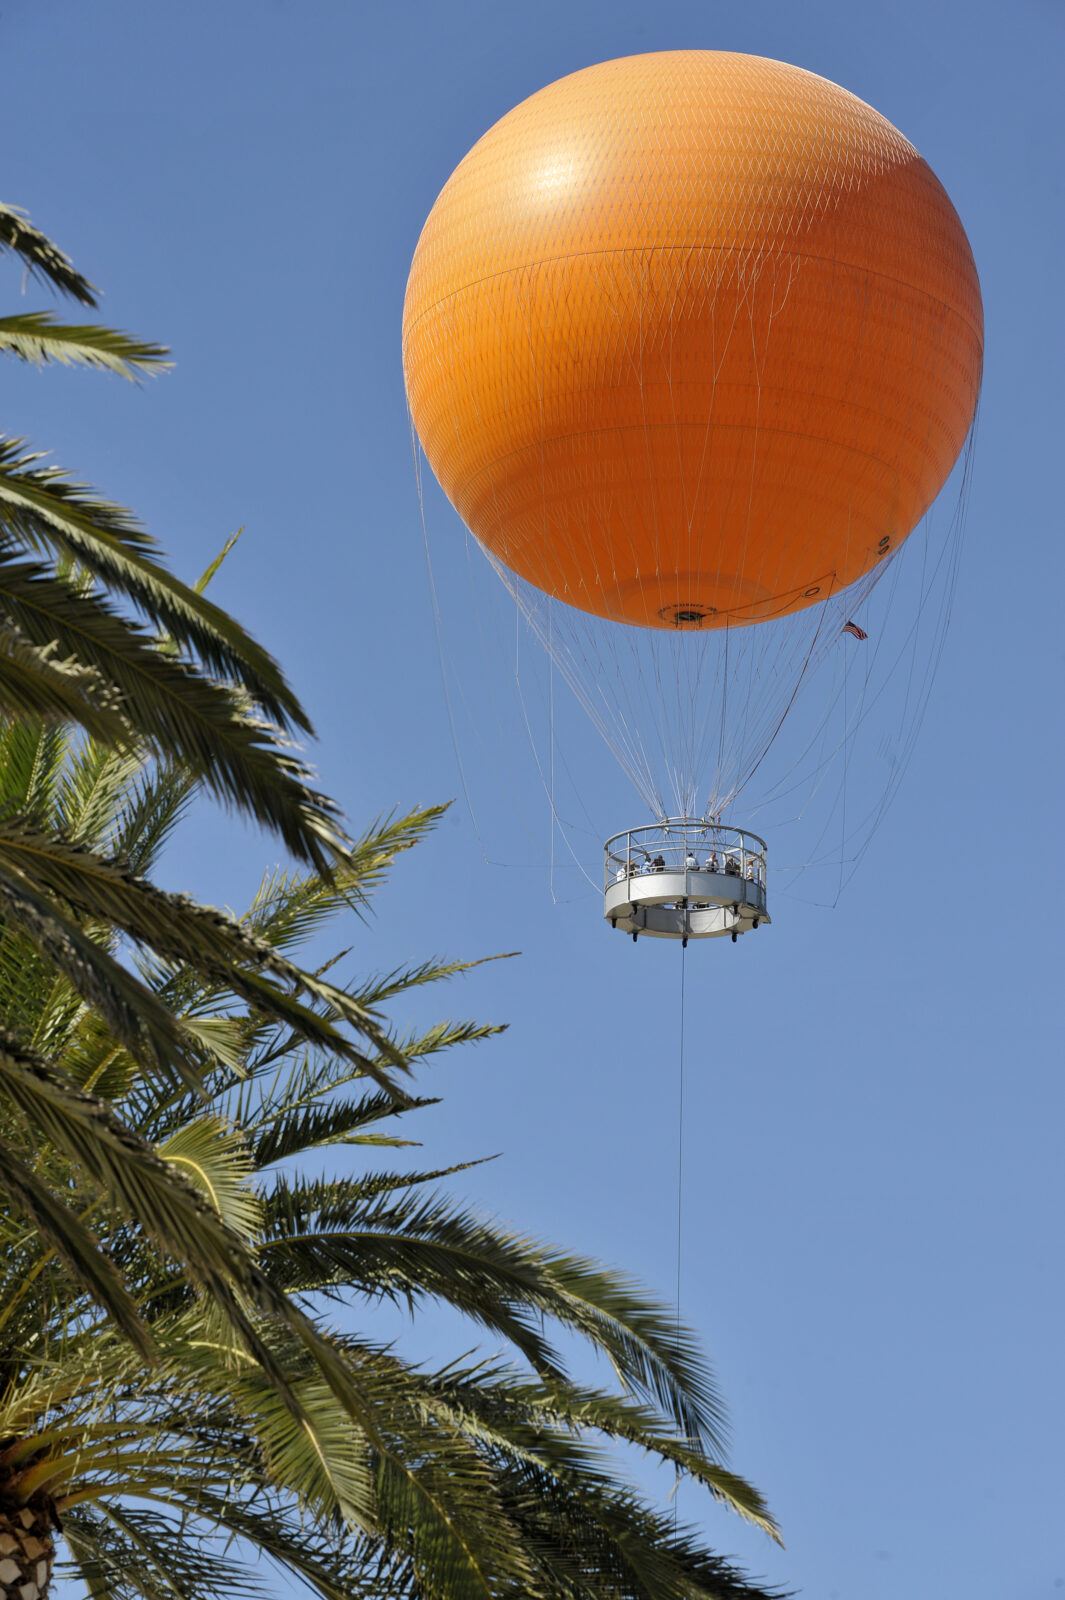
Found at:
(692, 340)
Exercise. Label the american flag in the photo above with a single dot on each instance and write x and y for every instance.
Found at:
(853, 629)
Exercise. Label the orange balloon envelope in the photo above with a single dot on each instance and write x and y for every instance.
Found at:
(692, 338)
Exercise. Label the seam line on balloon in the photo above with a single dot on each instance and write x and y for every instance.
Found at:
(707, 249)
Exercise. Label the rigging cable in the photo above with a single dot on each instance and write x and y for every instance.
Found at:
(680, 1194)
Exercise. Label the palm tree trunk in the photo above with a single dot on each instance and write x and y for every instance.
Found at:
(27, 1551)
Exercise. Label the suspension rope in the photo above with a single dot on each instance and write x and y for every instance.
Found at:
(680, 1193)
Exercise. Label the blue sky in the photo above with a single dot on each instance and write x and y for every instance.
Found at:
(872, 1195)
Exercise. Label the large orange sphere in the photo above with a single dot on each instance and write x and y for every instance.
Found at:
(692, 337)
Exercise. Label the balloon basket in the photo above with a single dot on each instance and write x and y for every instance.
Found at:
(685, 878)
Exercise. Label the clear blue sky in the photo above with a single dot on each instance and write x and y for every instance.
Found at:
(874, 1118)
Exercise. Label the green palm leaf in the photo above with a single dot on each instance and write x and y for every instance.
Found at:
(290, 907)
(62, 1231)
(36, 337)
(41, 509)
(42, 258)
(139, 1020)
(215, 1158)
(113, 1541)
(35, 683)
(180, 930)
(165, 701)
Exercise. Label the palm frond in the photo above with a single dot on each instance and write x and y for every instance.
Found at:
(316, 1455)
(36, 683)
(36, 337)
(280, 1134)
(135, 1015)
(214, 566)
(326, 1564)
(181, 930)
(154, 1187)
(441, 1036)
(41, 508)
(34, 756)
(68, 1235)
(289, 907)
(127, 1552)
(214, 1156)
(170, 1209)
(150, 810)
(41, 257)
(428, 1245)
(574, 1411)
(96, 786)
(379, 989)
(92, 1060)
(167, 701)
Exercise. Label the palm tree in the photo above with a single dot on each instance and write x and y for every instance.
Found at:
(168, 1428)
(215, 701)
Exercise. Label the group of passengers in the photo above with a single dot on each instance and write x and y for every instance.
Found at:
(730, 862)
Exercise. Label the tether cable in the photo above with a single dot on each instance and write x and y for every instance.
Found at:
(680, 1194)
